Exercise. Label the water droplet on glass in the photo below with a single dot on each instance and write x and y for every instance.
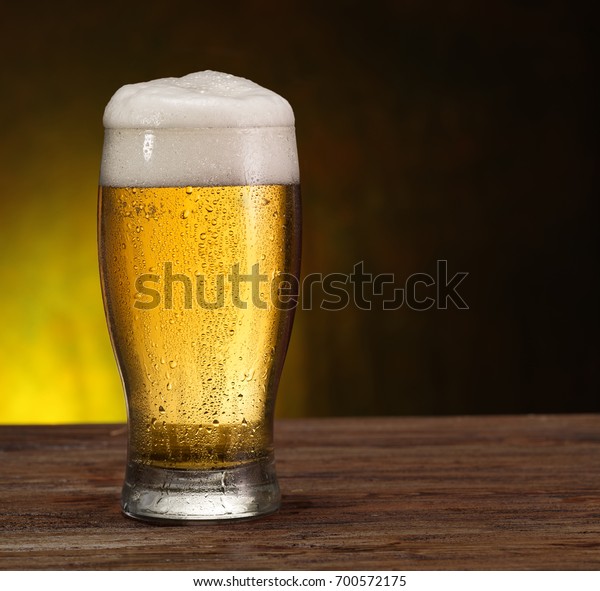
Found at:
(173, 364)
(161, 409)
(189, 190)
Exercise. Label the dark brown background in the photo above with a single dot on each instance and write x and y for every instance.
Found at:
(443, 130)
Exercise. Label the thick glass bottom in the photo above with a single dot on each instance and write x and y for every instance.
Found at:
(165, 495)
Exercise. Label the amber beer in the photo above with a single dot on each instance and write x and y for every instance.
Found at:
(196, 224)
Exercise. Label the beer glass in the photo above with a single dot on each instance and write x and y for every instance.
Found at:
(199, 227)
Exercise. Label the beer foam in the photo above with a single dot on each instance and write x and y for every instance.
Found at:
(202, 99)
(206, 128)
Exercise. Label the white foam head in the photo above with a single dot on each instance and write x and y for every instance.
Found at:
(206, 128)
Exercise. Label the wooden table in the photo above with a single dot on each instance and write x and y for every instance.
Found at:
(370, 493)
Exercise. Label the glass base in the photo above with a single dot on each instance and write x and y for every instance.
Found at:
(168, 495)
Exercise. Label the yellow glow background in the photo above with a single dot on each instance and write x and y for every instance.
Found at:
(426, 131)
(59, 364)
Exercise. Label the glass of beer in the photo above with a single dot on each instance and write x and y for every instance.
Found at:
(199, 229)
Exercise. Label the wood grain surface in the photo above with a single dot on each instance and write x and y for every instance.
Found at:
(370, 493)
